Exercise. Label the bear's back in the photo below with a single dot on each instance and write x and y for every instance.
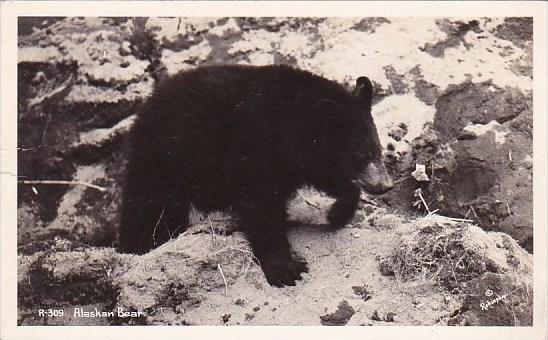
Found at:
(219, 89)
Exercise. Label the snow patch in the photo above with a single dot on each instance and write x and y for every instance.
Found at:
(499, 130)
(184, 60)
(92, 94)
(86, 174)
(99, 136)
(395, 110)
(355, 53)
(260, 46)
(98, 59)
(230, 27)
(38, 54)
(172, 29)
(349, 52)
(259, 41)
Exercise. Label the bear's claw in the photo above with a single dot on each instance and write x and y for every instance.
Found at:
(284, 272)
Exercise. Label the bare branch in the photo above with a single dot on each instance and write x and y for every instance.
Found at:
(63, 183)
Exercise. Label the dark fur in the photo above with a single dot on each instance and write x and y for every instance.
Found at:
(245, 137)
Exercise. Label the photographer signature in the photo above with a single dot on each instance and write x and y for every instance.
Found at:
(486, 305)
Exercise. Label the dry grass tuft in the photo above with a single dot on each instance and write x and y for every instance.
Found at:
(436, 251)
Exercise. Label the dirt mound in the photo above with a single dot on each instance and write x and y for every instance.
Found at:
(211, 279)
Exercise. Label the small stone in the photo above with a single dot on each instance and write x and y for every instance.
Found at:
(528, 162)
(420, 173)
(225, 317)
(125, 48)
(362, 291)
(40, 77)
(369, 210)
(375, 316)
(386, 267)
(467, 135)
(340, 317)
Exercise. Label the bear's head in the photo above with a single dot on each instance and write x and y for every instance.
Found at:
(356, 150)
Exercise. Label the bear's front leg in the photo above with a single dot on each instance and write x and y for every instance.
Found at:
(264, 218)
(347, 199)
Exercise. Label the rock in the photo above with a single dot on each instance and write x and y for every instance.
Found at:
(467, 135)
(340, 317)
(362, 291)
(385, 267)
(125, 48)
(390, 317)
(479, 103)
(229, 28)
(496, 300)
(482, 265)
(375, 316)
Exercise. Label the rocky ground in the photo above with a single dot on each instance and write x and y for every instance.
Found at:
(451, 244)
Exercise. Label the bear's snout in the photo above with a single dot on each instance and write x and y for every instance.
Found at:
(375, 178)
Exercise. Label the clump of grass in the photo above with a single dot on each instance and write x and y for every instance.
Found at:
(435, 251)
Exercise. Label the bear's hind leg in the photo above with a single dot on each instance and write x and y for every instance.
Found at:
(152, 214)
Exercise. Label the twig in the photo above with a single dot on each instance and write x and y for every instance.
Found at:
(465, 216)
(44, 132)
(453, 271)
(508, 207)
(398, 181)
(368, 201)
(248, 265)
(458, 219)
(471, 207)
(311, 204)
(54, 92)
(63, 182)
(224, 280)
(424, 202)
(455, 219)
(243, 264)
(459, 261)
(156, 226)
(107, 271)
(514, 314)
(432, 212)
(212, 232)
(24, 149)
(308, 202)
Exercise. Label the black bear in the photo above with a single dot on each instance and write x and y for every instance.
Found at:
(248, 137)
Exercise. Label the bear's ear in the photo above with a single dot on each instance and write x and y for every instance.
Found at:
(364, 90)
